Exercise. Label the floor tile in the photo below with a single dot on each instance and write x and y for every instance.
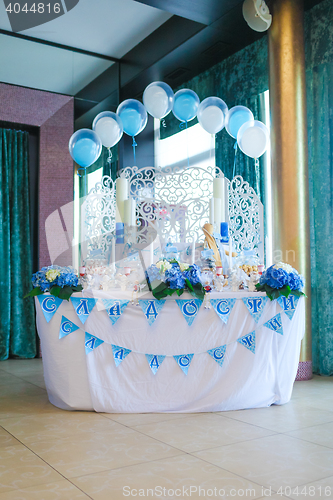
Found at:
(26, 405)
(319, 434)
(21, 388)
(8, 379)
(20, 468)
(317, 490)
(204, 431)
(88, 453)
(284, 418)
(58, 425)
(61, 490)
(177, 474)
(276, 461)
(17, 366)
(7, 439)
(134, 419)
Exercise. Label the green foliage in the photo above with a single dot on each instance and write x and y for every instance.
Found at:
(274, 293)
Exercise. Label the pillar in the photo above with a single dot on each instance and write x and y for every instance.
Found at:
(290, 186)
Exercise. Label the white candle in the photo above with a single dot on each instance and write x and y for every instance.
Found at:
(113, 254)
(217, 212)
(230, 252)
(129, 212)
(193, 251)
(211, 211)
(219, 192)
(121, 196)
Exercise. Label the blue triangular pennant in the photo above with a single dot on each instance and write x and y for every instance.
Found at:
(154, 361)
(83, 307)
(255, 306)
(114, 308)
(67, 327)
(119, 353)
(184, 361)
(248, 341)
(91, 342)
(218, 354)
(275, 324)
(189, 309)
(223, 308)
(49, 305)
(151, 309)
(288, 304)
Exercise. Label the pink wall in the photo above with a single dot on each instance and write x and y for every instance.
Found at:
(54, 115)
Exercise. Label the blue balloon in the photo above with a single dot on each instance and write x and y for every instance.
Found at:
(133, 115)
(85, 147)
(185, 105)
(236, 117)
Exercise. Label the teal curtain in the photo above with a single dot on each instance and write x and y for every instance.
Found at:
(319, 75)
(238, 80)
(17, 315)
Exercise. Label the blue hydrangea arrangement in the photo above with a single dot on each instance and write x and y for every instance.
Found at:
(58, 281)
(169, 277)
(281, 279)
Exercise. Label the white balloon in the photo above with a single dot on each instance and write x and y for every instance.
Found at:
(212, 119)
(108, 127)
(158, 99)
(253, 138)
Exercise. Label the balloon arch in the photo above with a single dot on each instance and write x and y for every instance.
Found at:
(159, 100)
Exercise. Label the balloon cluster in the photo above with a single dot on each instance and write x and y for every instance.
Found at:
(252, 136)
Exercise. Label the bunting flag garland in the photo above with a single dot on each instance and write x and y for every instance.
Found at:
(288, 304)
(119, 353)
(184, 361)
(189, 309)
(275, 324)
(114, 308)
(151, 309)
(223, 308)
(83, 307)
(218, 354)
(248, 341)
(91, 342)
(255, 306)
(154, 361)
(49, 305)
(66, 327)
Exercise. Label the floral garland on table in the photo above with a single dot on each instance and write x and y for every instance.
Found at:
(59, 281)
(169, 277)
(281, 279)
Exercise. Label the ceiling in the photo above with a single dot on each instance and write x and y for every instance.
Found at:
(104, 51)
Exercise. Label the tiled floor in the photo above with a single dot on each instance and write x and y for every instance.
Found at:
(47, 454)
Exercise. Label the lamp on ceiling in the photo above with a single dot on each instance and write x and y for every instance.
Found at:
(256, 14)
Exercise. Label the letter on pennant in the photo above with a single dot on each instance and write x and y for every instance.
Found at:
(255, 306)
(119, 353)
(184, 361)
(114, 308)
(49, 305)
(83, 307)
(288, 304)
(66, 327)
(223, 308)
(91, 342)
(218, 354)
(275, 324)
(151, 309)
(248, 341)
(154, 361)
(189, 309)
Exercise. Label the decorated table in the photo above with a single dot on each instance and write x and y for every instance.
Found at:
(102, 352)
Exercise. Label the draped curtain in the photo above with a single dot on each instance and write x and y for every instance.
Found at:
(17, 315)
(319, 77)
(238, 80)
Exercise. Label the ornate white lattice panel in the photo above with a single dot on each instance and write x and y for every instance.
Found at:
(99, 216)
(245, 216)
(173, 202)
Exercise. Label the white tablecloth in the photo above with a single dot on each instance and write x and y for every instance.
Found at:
(79, 381)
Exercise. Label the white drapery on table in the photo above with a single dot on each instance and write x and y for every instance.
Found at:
(79, 381)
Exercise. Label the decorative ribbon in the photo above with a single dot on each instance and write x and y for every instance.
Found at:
(134, 145)
(234, 169)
